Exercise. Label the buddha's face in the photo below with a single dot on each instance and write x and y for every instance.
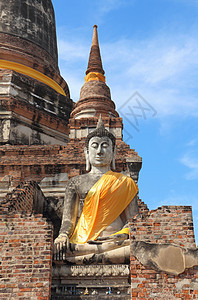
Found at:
(100, 151)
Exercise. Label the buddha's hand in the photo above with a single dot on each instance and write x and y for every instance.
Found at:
(110, 238)
(62, 241)
(115, 237)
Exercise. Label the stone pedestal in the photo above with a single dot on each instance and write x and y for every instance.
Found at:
(90, 281)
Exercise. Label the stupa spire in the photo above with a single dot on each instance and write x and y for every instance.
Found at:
(95, 36)
(95, 63)
(95, 96)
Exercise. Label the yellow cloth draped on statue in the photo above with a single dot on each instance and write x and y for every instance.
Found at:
(105, 201)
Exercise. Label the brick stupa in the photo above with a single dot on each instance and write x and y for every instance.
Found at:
(42, 138)
(35, 99)
(48, 149)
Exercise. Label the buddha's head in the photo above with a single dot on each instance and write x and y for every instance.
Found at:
(100, 148)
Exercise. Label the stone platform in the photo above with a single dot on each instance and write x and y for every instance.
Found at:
(90, 281)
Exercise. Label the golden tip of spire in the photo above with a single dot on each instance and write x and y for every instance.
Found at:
(96, 26)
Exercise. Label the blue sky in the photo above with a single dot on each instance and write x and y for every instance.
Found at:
(149, 47)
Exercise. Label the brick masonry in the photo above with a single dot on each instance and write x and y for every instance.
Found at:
(36, 162)
(26, 242)
(32, 112)
(34, 123)
(25, 235)
(95, 95)
(167, 224)
(26, 253)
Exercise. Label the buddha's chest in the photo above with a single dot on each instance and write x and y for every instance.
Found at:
(83, 190)
(86, 186)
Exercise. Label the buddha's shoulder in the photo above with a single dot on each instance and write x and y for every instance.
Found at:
(80, 179)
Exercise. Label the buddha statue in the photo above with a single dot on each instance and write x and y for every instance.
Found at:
(98, 206)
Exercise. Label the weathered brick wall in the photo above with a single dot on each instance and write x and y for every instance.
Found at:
(149, 284)
(36, 162)
(26, 242)
(26, 257)
(167, 224)
(27, 197)
(143, 209)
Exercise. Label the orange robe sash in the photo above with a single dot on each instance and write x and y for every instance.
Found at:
(105, 201)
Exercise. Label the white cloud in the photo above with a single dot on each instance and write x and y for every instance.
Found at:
(75, 83)
(106, 6)
(73, 59)
(163, 69)
(72, 51)
(187, 200)
(193, 142)
(103, 7)
(160, 61)
(190, 161)
(188, 2)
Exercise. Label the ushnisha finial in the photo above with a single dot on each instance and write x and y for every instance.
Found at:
(100, 131)
(100, 123)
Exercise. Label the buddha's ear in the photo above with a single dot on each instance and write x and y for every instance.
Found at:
(88, 165)
(115, 151)
(114, 156)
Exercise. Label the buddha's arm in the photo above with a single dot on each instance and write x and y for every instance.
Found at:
(130, 211)
(70, 210)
